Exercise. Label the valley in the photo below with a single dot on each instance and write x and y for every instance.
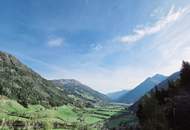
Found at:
(94, 65)
(67, 117)
(30, 102)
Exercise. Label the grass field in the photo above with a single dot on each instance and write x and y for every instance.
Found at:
(12, 114)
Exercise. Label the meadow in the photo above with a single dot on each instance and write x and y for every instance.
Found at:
(66, 117)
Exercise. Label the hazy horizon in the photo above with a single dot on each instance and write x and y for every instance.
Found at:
(108, 45)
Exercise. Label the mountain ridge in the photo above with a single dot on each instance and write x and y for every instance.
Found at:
(162, 85)
(73, 87)
(136, 93)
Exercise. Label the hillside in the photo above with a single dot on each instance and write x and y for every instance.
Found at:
(80, 92)
(164, 107)
(116, 95)
(169, 107)
(21, 83)
(135, 94)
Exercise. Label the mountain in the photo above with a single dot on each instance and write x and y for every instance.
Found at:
(175, 76)
(162, 85)
(168, 106)
(80, 92)
(21, 83)
(135, 94)
(116, 95)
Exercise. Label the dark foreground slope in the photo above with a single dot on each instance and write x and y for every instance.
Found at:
(167, 108)
(80, 92)
(20, 83)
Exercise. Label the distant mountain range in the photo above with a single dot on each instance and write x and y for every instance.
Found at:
(136, 93)
(21, 83)
(171, 78)
(80, 92)
(162, 85)
(114, 96)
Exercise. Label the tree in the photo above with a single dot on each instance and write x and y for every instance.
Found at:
(185, 73)
(140, 113)
(1, 89)
(22, 98)
(151, 114)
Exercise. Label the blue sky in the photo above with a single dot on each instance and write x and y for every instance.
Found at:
(107, 44)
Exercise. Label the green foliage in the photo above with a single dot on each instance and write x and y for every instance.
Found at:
(63, 117)
(20, 83)
(48, 125)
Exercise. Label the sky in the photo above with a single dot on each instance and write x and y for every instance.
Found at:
(109, 45)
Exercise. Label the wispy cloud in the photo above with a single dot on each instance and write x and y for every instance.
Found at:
(55, 42)
(139, 33)
(96, 47)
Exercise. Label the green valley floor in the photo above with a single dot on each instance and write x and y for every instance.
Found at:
(66, 117)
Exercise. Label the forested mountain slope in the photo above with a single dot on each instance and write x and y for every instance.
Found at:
(20, 83)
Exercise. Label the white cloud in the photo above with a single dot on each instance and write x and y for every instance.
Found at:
(139, 33)
(55, 42)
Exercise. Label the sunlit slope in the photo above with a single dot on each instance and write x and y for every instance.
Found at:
(80, 92)
(19, 82)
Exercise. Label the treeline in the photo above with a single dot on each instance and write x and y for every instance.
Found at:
(167, 108)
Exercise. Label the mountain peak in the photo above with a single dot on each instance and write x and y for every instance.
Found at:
(158, 76)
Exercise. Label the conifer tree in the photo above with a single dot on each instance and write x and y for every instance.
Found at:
(185, 73)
